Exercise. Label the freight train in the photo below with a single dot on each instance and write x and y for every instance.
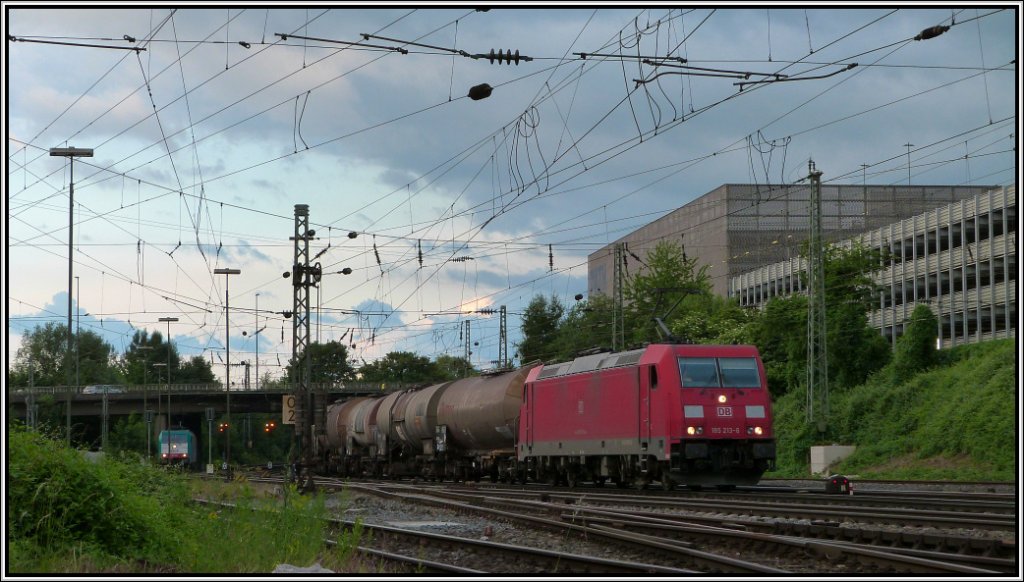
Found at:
(693, 415)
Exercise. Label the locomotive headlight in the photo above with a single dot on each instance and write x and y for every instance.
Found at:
(692, 430)
(722, 398)
(755, 430)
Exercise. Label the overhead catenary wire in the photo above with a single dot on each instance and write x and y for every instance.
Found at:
(547, 193)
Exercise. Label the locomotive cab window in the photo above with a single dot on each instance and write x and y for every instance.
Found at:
(699, 373)
(719, 373)
(739, 373)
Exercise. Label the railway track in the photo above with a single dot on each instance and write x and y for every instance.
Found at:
(686, 542)
(987, 558)
(998, 514)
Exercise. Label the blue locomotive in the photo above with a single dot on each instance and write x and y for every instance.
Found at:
(178, 447)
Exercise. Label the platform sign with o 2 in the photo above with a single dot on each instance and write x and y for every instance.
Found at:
(288, 409)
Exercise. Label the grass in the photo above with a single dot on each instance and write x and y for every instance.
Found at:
(956, 421)
(71, 515)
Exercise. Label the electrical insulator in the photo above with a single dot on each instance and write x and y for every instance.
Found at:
(508, 56)
(551, 258)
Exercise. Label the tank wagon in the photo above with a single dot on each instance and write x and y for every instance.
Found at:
(699, 415)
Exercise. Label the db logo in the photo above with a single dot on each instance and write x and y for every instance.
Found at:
(724, 411)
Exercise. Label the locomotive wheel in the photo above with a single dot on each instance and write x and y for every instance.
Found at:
(599, 482)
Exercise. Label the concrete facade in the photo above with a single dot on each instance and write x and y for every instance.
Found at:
(737, 228)
(960, 259)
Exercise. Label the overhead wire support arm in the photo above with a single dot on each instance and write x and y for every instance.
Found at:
(691, 70)
(408, 42)
(350, 43)
(584, 56)
(508, 56)
(124, 48)
(832, 74)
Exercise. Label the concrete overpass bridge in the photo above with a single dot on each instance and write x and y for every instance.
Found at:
(188, 404)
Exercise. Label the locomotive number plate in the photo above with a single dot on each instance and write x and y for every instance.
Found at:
(724, 430)
(725, 411)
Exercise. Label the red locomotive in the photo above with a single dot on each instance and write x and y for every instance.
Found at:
(693, 414)
(677, 414)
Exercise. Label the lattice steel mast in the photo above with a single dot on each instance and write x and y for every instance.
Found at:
(817, 351)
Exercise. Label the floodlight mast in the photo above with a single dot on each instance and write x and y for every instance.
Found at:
(227, 350)
(72, 153)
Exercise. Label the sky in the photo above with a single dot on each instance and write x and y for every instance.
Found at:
(210, 123)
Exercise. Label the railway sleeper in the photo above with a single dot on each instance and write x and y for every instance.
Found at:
(970, 546)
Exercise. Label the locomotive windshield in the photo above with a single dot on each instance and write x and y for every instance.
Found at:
(719, 373)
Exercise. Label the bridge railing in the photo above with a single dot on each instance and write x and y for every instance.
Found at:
(114, 389)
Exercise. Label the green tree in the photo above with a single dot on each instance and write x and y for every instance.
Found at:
(915, 349)
(195, 370)
(452, 367)
(402, 367)
(710, 319)
(850, 294)
(44, 350)
(143, 352)
(671, 285)
(329, 363)
(540, 329)
(586, 326)
(780, 334)
(128, 434)
(780, 330)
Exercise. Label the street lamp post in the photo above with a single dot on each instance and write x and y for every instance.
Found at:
(168, 320)
(227, 350)
(72, 153)
(258, 330)
(145, 399)
(167, 423)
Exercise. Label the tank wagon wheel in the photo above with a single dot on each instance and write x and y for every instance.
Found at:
(572, 479)
(667, 483)
(726, 488)
(599, 482)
